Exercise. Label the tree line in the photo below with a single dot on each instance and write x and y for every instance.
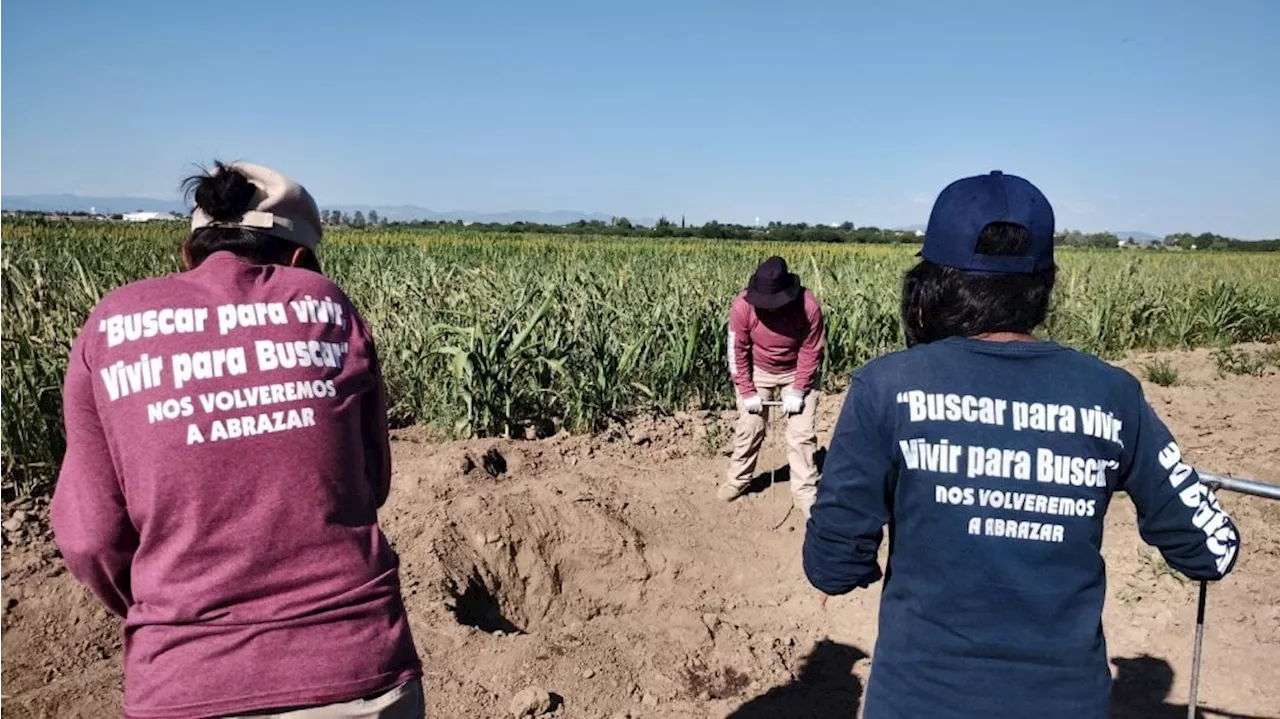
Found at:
(357, 219)
(1210, 241)
(845, 232)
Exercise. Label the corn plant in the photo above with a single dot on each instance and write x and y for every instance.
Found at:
(497, 333)
(504, 371)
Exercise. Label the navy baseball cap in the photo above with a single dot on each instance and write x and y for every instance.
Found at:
(967, 206)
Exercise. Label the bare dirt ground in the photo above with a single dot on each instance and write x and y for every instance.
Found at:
(604, 570)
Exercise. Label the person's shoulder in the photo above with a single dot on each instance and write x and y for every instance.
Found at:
(309, 281)
(878, 380)
(1088, 368)
(299, 283)
(898, 363)
(811, 303)
(141, 294)
(1091, 369)
(303, 284)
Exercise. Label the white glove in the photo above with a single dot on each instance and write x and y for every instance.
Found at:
(792, 401)
(753, 404)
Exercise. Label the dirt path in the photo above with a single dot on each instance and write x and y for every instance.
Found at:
(605, 570)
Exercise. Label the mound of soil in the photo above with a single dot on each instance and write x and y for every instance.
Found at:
(520, 562)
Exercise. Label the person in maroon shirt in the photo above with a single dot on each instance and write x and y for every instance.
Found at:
(776, 340)
(227, 453)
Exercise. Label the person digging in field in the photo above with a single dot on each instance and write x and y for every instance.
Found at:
(993, 456)
(776, 340)
(227, 453)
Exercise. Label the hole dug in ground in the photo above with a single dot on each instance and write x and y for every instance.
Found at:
(515, 564)
(478, 606)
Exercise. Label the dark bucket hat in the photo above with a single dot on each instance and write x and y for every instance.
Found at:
(773, 286)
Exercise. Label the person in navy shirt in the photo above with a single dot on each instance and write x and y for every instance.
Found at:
(992, 456)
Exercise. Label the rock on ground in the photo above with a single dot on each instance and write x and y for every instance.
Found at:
(531, 702)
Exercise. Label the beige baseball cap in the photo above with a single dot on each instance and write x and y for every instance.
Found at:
(280, 208)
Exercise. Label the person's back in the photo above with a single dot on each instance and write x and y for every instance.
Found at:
(1008, 455)
(993, 457)
(227, 454)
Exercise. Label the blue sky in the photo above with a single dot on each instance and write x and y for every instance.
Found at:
(1157, 115)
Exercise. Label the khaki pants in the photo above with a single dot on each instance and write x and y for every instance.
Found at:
(802, 440)
(403, 702)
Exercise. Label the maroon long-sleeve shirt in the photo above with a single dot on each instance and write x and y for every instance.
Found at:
(781, 341)
(227, 452)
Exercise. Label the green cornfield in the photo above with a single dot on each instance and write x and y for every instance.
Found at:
(492, 334)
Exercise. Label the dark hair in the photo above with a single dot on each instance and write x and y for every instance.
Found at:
(940, 302)
(224, 195)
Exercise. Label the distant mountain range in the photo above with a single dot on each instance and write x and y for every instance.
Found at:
(1137, 236)
(101, 205)
(394, 213)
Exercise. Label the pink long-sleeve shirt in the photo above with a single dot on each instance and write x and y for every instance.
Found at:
(227, 452)
(789, 339)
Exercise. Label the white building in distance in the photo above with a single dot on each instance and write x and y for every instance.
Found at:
(147, 216)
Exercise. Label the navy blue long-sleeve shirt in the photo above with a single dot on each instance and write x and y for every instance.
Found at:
(992, 464)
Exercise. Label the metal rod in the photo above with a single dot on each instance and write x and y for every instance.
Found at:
(1213, 480)
(1192, 702)
(773, 468)
(1243, 486)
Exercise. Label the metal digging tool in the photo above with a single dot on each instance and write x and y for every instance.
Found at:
(1216, 481)
(773, 467)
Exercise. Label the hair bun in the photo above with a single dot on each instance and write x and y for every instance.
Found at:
(223, 194)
